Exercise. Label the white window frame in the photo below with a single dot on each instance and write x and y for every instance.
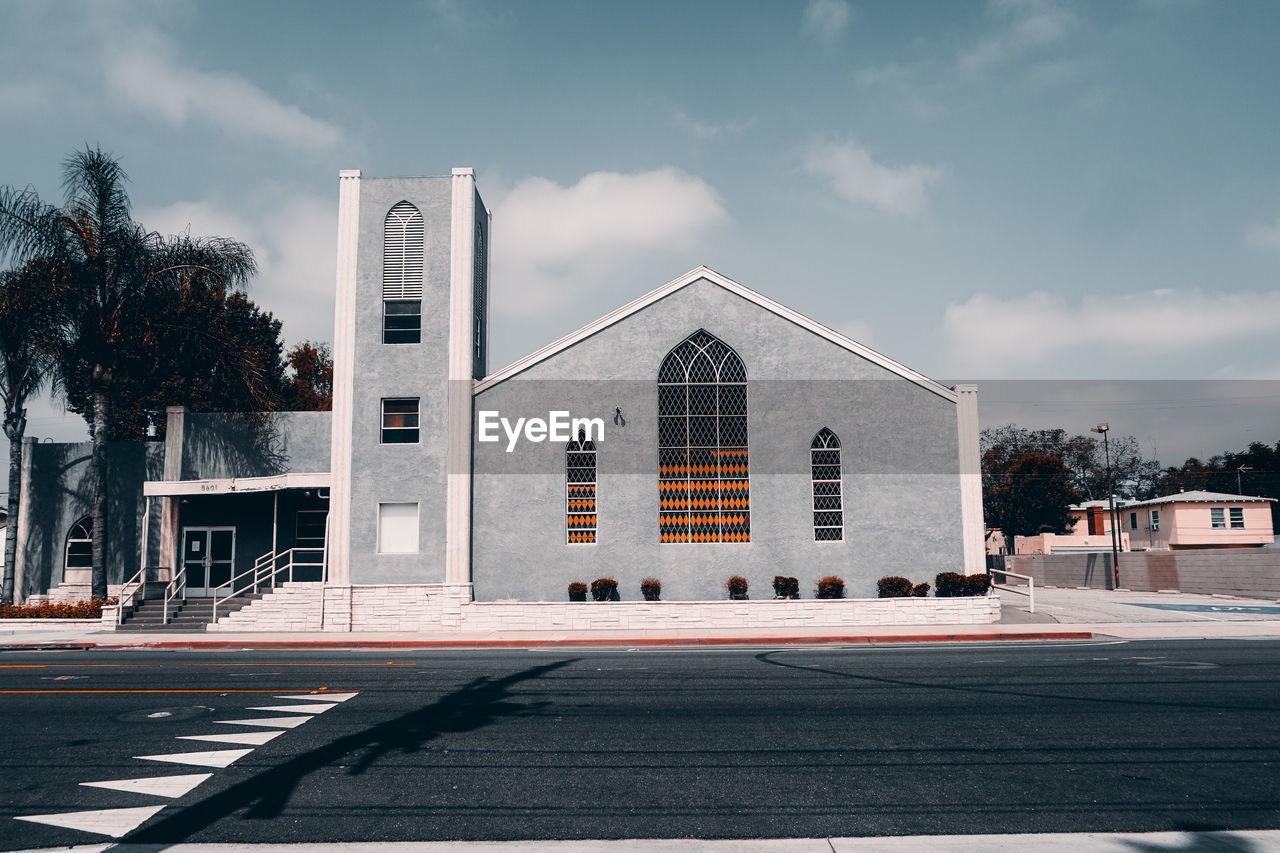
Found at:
(839, 484)
(1218, 518)
(417, 521)
(383, 429)
(1155, 519)
(1235, 517)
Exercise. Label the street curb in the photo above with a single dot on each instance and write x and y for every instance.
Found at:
(883, 639)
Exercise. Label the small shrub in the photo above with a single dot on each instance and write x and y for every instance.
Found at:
(950, 585)
(577, 591)
(737, 586)
(91, 609)
(920, 590)
(604, 589)
(978, 584)
(831, 587)
(651, 589)
(784, 587)
(894, 587)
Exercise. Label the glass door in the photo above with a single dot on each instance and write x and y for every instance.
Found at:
(208, 556)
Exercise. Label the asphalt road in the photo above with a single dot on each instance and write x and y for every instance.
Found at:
(555, 744)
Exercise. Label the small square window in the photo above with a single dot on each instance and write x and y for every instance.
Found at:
(400, 420)
(398, 528)
(1237, 517)
(1218, 518)
(401, 321)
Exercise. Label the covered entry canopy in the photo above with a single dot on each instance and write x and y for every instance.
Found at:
(235, 485)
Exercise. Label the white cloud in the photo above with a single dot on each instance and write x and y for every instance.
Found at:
(1022, 26)
(554, 241)
(292, 238)
(853, 174)
(993, 336)
(826, 20)
(1267, 236)
(709, 130)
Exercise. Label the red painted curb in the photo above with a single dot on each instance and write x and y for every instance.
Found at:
(606, 643)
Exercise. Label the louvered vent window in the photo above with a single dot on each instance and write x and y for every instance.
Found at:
(402, 259)
(703, 485)
(828, 503)
(580, 491)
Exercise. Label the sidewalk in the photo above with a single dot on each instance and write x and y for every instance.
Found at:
(1061, 614)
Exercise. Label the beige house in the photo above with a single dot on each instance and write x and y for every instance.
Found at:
(1198, 520)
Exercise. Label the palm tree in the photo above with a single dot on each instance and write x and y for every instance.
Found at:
(29, 327)
(107, 266)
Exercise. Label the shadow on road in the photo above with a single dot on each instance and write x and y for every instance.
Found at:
(481, 703)
(1197, 842)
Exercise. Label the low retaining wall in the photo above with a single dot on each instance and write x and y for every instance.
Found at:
(1252, 573)
(48, 624)
(437, 607)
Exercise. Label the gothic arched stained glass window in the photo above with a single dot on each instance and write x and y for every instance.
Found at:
(580, 491)
(703, 484)
(828, 503)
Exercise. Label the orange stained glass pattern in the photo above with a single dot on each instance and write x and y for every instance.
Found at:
(580, 491)
(704, 490)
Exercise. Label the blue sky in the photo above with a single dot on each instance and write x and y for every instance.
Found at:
(1012, 189)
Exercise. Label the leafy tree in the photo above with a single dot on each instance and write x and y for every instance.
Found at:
(310, 389)
(1222, 473)
(1084, 456)
(29, 327)
(109, 267)
(1031, 496)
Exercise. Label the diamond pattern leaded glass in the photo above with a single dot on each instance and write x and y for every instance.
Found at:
(704, 490)
(580, 491)
(828, 505)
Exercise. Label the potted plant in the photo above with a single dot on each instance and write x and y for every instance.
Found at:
(651, 589)
(831, 587)
(604, 589)
(577, 591)
(737, 586)
(785, 587)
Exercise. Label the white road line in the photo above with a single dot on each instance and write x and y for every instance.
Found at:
(214, 758)
(267, 722)
(110, 822)
(159, 786)
(321, 697)
(251, 738)
(314, 708)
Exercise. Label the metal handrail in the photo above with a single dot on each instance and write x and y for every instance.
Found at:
(171, 592)
(265, 568)
(126, 598)
(1031, 586)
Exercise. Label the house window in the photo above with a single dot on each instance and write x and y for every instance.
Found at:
(397, 528)
(1218, 518)
(1133, 521)
(79, 550)
(402, 262)
(1237, 517)
(400, 420)
(580, 491)
(828, 506)
(1155, 519)
(401, 321)
(703, 485)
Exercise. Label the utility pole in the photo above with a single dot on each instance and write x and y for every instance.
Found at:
(1239, 488)
(1111, 496)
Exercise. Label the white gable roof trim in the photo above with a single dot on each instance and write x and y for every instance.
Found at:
(732, 286)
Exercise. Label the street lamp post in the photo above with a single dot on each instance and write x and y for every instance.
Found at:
(1240, 488)
(1111, 497)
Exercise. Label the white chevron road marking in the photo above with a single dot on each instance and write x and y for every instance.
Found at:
(252, 738)
(158, 786)
(321, 697)
(268, 722)
(313, 708)
(213, 758)
(112, 822)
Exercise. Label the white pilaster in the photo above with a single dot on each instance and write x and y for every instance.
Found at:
(344, 356)
(972, 525)
(461, 293)
(174, 440)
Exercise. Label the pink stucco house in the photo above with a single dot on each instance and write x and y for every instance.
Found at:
(1198, 520)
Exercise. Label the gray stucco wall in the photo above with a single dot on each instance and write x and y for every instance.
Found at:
(217, 446)
(900, 469)
(61, 491)
(401, 472)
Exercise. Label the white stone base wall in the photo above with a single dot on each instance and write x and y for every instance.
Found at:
(448, 608)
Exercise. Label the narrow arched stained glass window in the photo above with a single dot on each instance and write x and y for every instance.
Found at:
(703, 484)
(402, 261)
(828, 502)
(580, 491)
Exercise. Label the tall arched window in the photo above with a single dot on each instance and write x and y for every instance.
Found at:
(79, 550)
(402, 258)
(580, 491)
(828, 503)
(703, 487)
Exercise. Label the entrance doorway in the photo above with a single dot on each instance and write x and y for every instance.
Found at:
(208, 556)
